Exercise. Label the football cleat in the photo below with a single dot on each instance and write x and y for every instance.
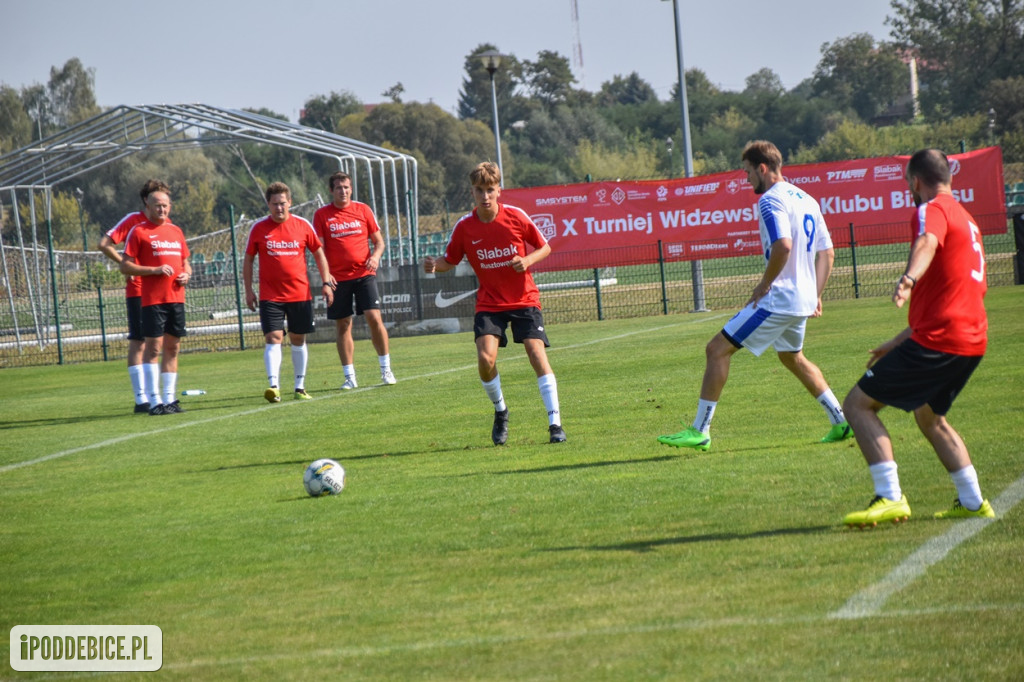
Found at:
(838, 432)
(959, 511)
(141, 408)
(173, 408)
(880, 509)
(350, 383)
(387, 377)
(499, 432)
(300, 394)
(272, 394)
(687, 438)
(158, 410)
(557, 433)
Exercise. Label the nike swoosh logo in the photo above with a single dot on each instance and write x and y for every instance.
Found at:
(441, 302)
(476, 241)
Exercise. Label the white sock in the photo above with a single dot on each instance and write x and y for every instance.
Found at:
(138, 383)
(832, 407)
(549, 394)
(349, 371)
(967, 488)
(272, 362)
(151, 374)
(887, 482)
(493, 388)
(170, 382)
(705, 411)
(300, 357)
(385, 361)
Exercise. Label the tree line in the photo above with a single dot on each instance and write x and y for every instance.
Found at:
(969, 57)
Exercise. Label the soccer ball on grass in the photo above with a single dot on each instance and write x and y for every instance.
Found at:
(324, 477)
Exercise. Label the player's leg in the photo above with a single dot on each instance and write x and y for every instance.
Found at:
(717, 359)
(346, 351)
(368, 305)
(528, 329)
(300, 324)
(489, 330)
(136, 342)
(812, 379)
(272, 318)
(169, 372)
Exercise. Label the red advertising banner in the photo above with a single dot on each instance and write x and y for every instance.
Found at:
(712, 216)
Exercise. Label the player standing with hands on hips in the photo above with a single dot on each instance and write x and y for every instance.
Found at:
(924, 367)
(799, 255)
(155, 251)
(493, 238)
(281, 240)
(346, 228)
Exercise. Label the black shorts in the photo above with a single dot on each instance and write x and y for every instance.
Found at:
(527, 323)
(163, 318)
(299, 316)
(911, 375)
(362, 289)
(133, 304)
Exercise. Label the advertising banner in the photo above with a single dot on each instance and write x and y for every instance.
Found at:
(712, 216)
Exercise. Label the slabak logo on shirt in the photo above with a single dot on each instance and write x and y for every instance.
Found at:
(280, 248)
(345, 229)
(165, 248)
(497, 257)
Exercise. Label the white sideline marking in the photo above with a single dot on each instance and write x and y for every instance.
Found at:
(869, 601)
(142, 434)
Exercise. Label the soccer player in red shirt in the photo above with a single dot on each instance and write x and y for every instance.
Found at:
(132, 292)
(924, 367)
(494, 239)
(156, 251)
(281, 240)
(346, 228)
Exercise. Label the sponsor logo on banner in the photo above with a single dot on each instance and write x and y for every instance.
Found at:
(704, 248)
(675, 250)
(705, 188)
(545, 222)
(889, 171)
(562, 201)
(954, 166)
(662, 193)
(637, 195)
(851, 175)
(602, 195)
(441, 301)
(746, 244)
(733, 186)
(618, 196)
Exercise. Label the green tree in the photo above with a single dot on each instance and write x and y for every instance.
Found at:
(15, 124)
(859, 75)
(630, 90)
(638, 159)
(475, 95)
(963, 46)
(549, 79)
(326, 111)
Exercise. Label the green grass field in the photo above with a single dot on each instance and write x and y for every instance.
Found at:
(606, 558)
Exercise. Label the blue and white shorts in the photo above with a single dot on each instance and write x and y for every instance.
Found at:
(757, 328)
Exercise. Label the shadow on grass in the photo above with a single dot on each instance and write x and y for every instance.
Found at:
(581, 465)
(650, 545)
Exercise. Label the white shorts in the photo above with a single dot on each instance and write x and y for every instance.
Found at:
(757, 328)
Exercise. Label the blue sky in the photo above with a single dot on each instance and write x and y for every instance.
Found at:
(278, 55)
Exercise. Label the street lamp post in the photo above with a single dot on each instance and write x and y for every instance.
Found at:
(491, 60)
(991, 126)
(671, 161)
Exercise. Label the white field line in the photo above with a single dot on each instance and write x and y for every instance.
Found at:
(244, 413)
(869, 601)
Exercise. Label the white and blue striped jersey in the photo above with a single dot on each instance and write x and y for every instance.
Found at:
(786, 211)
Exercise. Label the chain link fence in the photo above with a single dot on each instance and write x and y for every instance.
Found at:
(68, 306)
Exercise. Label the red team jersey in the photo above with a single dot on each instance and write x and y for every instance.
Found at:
(345, 233)
(947, 309)
(152, 245)
(281, 249)
(490, 247)
(119, 234)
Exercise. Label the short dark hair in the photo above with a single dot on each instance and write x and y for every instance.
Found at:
(337, 175)
(930, 166)
(762, 151)
(278, 188)
(153, 186)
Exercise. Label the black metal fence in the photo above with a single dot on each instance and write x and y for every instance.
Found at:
(78, 314)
